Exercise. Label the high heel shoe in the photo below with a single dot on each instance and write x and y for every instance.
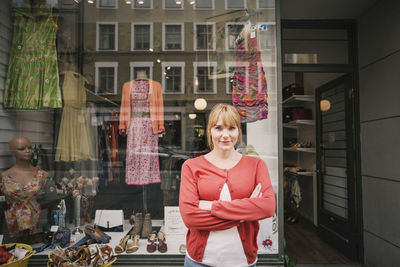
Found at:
(133, 244)
(152, 242)
(122, 244)
(162, 244)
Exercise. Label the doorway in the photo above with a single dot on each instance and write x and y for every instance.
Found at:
(320, 153)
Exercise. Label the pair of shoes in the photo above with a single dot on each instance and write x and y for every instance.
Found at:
(124, 242)
(157, 241)
(133, 244)
(142, 227)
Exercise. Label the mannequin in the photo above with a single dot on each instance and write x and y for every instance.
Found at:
(21, 184)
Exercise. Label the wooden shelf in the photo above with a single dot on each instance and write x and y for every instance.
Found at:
(297, 100)
(302, 173)
(294, 124)
(300, 149)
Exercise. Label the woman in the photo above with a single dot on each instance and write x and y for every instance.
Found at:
(223, 195)
(21, 184)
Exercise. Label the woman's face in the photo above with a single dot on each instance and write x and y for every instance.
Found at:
(223, 137)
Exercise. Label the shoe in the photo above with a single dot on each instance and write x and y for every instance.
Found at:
(122, 244)
(182, 248)
(147, 225)
(162, 245)
(137, 228)
(152, 242)
(133, 244)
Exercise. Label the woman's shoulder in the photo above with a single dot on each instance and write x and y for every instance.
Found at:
(42, 173)
(194, 162)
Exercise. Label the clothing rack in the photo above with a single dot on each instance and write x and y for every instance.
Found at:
(101, 98)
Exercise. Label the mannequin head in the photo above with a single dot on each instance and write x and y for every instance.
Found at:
(21, 148)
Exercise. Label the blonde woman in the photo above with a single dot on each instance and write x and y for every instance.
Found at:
(223, 195)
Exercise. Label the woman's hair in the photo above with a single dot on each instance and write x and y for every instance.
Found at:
(229, 116)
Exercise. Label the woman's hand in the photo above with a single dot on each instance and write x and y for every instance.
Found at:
(256, 192)
(205, 205)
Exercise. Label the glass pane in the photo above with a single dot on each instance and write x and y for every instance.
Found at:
(235, 3)
(173, 4)
(107, 3)
(107, 37)
(173, 38)
(142, 37)
(106, 76)
(266, 3)
(203, 3)
(142, 3)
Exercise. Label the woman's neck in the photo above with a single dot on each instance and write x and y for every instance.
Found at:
(23, 164)
(223, 154)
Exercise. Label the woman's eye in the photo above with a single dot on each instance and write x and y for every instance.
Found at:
(219, 128)
(232, 128)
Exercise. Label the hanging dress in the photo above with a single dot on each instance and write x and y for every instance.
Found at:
(142, 163)
(23, 211)
(73, 139)
(32, 79)
(249, 94)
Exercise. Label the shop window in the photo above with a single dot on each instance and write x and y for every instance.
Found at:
(235, 4)
(138, 66)
(173, 37)
(107, 4)
(142, 4)
(173, 77)
(142, 36)
(106, 78)
(232, 68)
(107, 36)
(265, 4)
(173, 4)
(232, 32)
(204, 36)
(202, 82)
(204, 4)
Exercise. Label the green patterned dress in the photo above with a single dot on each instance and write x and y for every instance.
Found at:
(32, 78)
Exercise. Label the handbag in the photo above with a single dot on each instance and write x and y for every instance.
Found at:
(292, 89)
(109, 220)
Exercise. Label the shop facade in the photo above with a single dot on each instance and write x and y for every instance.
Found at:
(120, 93)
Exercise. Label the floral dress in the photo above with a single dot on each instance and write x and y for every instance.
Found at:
(23, 210)
(32, 77)
(249, 93)
(142, 164)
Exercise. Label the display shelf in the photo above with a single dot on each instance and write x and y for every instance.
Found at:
(300, 149)
(294, 124)
(295, 100)
(301, 173)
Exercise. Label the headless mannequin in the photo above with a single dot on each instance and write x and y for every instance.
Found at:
(22, 173)
(141, 74)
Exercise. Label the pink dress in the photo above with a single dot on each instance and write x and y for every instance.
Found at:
(142, 164)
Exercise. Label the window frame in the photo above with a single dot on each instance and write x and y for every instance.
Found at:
(139, 8)
(105, 64)
(229, 64)
(258, 5)
(164, 36)
(235, 8)
(227, 31)
(205, 8)
(214, 44)
(197, 64)
(133, 35)
(163, 80)
(100, 7)
(134, 64)
(98, 23)
(173, 8)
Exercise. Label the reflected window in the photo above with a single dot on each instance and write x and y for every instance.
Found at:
(204, 34)
(142, 36)
(175, 4)
(204, 4)
(173, 36)
(142, 4)
(106, 78)
(202, 82)
(173, 77)
(107, 3)
(138, 66)
(266, 4)
(107, 36)
(232, 32)
(235, 4)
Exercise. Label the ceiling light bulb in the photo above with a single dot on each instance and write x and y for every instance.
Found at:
(200, 104)
(151, 49)
(178, 2)
(158, 60)
(169, 67)
(140, 2)
(192, 2)
(90, 1)
(128, 2)
(192, 116)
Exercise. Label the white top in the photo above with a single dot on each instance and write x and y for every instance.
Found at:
(224, 248)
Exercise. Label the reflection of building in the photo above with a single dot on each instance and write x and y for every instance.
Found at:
(181, 44)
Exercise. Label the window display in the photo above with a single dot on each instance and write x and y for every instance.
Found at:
(115, 96)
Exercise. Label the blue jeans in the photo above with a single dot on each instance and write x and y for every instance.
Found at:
(191, 263)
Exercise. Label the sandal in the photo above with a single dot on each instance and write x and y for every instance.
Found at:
(162, 245)
(152, 242)
(122, 244)
(133, 244)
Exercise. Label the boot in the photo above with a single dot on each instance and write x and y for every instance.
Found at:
(147, 225)
(137, 228)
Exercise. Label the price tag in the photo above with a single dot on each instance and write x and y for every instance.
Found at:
(54, 228)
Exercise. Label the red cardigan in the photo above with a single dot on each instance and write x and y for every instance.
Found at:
(201, 180)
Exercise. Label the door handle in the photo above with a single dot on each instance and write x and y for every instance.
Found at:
(332, 219)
